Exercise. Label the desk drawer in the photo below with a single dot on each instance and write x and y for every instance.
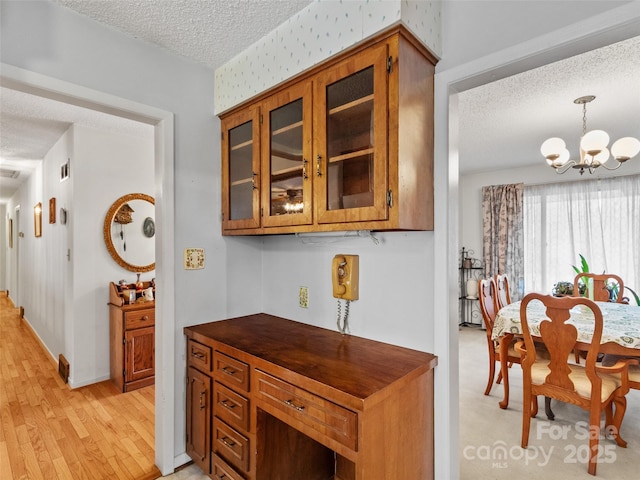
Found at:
(230, 406)
(199, 356)
(322, 415)
(231, 371)
(221, 471)
(230, 445)
(139, 319)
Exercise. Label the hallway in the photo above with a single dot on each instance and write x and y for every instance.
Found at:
(48, 431)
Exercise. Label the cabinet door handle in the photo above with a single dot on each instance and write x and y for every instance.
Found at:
(198, 355)
(304, 168)
(318, 165)
(229, 371)
(227, 442)
(290, 403)
(202, 398)
(253, 180)
(228, 404)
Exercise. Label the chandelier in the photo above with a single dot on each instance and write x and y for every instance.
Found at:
(593, 148)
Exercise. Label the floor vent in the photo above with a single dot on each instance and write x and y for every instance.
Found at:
(63, 368)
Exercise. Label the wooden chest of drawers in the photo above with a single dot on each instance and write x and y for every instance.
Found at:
(272, 398)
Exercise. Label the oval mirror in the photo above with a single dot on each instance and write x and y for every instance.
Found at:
(129, 230)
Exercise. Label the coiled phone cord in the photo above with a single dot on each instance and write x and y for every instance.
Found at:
(343, 323)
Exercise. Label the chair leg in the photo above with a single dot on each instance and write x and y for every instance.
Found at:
(492, 371)
(534, 406)
(504, 368)
(616, 423)
(594, 435)
(547, 408)
(526, 418)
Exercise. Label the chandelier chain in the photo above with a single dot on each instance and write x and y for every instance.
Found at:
(584, 119)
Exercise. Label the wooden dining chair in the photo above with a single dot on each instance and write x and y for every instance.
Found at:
(502, 288)
(600, 292)
(591, 387)
(487, 294)
(601, 283)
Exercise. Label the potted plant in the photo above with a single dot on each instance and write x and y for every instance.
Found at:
(562, 289)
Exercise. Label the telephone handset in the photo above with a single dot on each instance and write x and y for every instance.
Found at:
(344, 274)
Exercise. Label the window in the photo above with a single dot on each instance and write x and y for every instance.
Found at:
(599, 219)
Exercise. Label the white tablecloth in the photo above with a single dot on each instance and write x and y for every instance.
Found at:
(621, 322)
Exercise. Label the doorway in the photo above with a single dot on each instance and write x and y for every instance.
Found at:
(162, 121)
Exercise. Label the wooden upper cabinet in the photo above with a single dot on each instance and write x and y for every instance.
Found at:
(345, 146)
(241, 170)
(286, 157)
(351, 139)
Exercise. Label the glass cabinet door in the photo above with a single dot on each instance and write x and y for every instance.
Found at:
(351, 141)
(286, 155)
(241, 171)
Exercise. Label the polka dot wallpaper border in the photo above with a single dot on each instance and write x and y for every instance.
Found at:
(316, 33)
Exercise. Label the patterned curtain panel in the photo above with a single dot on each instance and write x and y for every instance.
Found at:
(503, 242)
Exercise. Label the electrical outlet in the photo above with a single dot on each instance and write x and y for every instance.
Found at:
(303, 297)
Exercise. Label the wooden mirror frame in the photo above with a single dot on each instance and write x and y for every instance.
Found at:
(108, 220)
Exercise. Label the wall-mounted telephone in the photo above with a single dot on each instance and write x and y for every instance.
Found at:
(344, 275)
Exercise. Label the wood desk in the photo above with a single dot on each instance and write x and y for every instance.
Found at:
(270, 398)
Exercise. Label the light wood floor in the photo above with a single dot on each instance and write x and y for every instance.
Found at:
(49, 431)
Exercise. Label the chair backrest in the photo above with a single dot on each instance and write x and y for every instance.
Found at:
(488, 302)
(601, 284)
(503, 293)
(559, 337)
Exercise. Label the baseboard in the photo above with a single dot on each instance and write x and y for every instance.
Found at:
(181, 460)
(35, 335)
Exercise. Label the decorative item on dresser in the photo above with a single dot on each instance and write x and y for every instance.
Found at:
(131, 337)
(272, 398)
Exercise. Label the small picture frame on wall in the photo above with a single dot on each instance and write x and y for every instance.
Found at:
(52, 210)
(37, 219)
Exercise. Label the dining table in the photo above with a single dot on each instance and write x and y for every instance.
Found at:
(620, 330)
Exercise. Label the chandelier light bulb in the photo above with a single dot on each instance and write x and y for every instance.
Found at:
(562, 159)
(594, 142)
(625, 148)
(601, 157)
(552, 148)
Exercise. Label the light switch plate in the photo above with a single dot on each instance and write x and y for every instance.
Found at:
(193, 258)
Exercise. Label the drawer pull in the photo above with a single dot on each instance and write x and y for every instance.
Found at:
(202, 397)
(290, 403)
(228, 404)
(198, 355)
(220, 477)
(145, 317)
(227, 442)
(229, 371)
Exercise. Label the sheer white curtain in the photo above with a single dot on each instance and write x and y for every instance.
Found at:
(599, 219)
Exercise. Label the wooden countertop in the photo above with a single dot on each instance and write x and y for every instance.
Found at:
(354, 365)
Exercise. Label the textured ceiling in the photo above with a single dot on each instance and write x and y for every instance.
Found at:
(502, 124)
(209, 32)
